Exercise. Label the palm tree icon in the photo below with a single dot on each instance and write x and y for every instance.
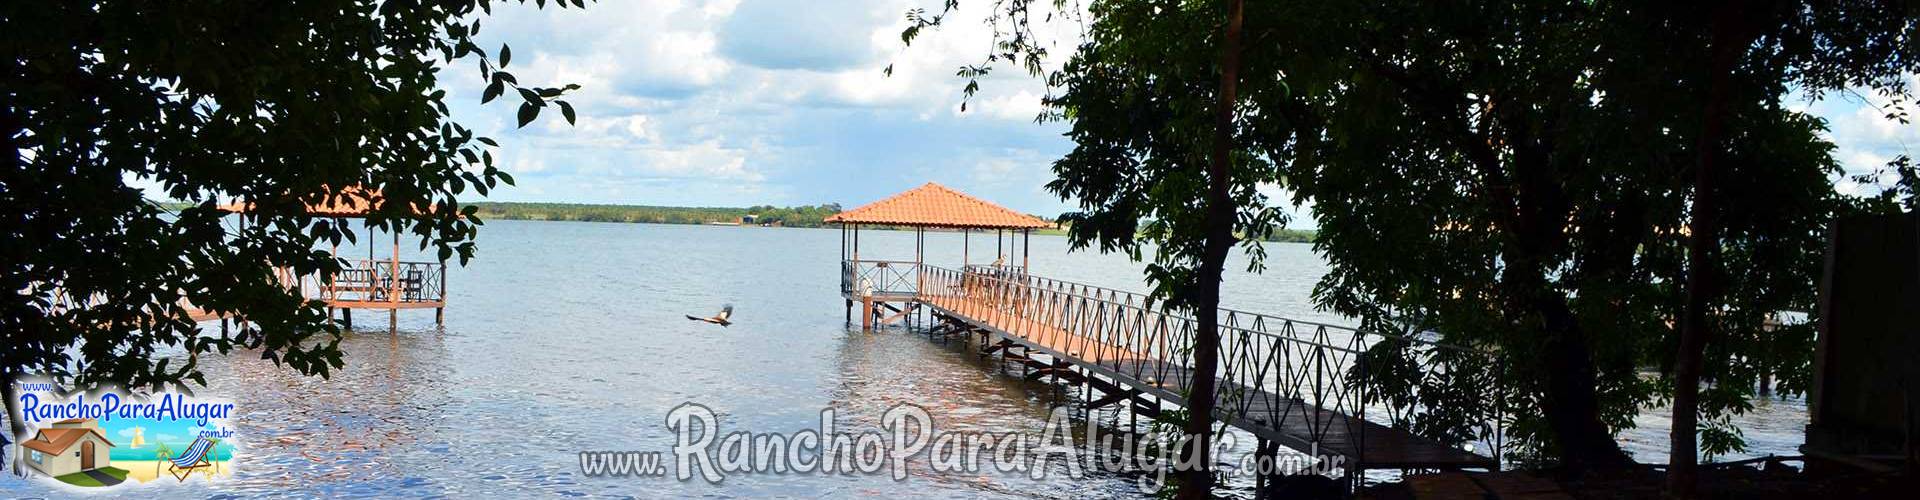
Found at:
(161, 455)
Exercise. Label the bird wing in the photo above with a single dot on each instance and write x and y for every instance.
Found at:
(691, 317)
(725, 312)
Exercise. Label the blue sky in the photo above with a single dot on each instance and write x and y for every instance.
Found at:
(734, 103)
(744, 102)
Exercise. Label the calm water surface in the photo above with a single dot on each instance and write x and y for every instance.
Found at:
(564, 337)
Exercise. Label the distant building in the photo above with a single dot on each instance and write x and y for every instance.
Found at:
(67, 447)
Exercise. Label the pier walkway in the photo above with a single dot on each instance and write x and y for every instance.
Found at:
(1314, 388)
(1288, 382)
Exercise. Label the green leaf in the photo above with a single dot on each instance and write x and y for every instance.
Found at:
(506, 55)
(527, 113)
(566, 110)
(493, 90)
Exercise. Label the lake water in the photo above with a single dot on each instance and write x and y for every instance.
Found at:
(562, 337)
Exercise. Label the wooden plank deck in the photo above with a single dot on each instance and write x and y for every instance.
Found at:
(1291, 422)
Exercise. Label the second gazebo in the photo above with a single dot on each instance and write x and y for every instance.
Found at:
(374, 282)
(889, 287)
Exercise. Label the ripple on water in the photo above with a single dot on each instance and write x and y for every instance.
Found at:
(569, 336)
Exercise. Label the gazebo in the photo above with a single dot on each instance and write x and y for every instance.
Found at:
(890, 286)
(374, 282)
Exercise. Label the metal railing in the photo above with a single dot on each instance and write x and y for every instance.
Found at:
(871, 277)
(382, 281)
(1279, 371)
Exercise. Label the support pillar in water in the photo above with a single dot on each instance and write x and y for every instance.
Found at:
(866, 314)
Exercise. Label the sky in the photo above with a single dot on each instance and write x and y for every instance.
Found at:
(784, 102)
(750, 102)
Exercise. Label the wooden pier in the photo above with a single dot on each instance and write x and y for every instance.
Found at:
(370, 283)
(1290, 383)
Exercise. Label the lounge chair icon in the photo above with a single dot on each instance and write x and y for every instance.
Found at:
(194, 458)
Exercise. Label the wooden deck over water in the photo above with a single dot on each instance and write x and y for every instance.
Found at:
(1285, 386)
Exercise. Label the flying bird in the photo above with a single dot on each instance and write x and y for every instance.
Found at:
(718, 319)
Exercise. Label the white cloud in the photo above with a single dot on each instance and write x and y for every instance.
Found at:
(527, 164)
(1019, 106)
(601, 131)
(627, 48)
(672, 109)
(707, 160)
(1865, 135)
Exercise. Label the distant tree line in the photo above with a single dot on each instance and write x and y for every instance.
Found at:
(798, 216)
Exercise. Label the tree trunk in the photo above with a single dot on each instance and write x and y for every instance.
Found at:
(1538, 227)
(1197, 482)
(1731, 36)
(1572, 403)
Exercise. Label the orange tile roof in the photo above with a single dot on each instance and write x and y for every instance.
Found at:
(353, 201)
(56, 441)
(934, 205)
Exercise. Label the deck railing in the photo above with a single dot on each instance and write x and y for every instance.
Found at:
(382, 281)
(1275, 370)
(878, 277)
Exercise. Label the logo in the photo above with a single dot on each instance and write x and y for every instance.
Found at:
(111, 438)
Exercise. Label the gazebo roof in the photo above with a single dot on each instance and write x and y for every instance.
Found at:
(352, 201)
(934, 205)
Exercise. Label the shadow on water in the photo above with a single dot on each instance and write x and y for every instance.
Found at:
(966, 391)
(963, 392)
(564, 337)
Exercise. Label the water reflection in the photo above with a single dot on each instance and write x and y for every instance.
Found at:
(565, 337)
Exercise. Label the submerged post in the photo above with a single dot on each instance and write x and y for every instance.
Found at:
(440, 313)
(393, 285)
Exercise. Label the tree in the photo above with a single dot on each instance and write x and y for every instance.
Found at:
(1821, 46)
(215, 101)
(1152, 98)
(1515, 177)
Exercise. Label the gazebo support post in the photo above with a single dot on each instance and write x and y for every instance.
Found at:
(440, 313)
(393, 285)
(1000, 246)
(845, 277)
(1026, 249)
(866, 299)
(919, 259)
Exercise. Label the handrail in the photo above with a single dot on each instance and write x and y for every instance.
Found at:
(1227, 312)
(866, 277)
(378, 280)
(1271, 369)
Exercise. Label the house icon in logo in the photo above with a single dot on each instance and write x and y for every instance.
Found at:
(67, 447)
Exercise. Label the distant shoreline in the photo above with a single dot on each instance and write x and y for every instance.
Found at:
(797, 216)
(804, 216)
(725, 216)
